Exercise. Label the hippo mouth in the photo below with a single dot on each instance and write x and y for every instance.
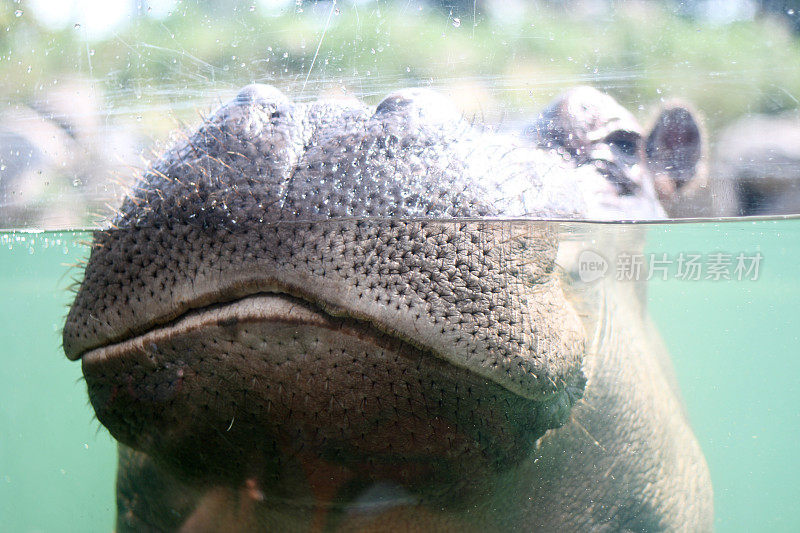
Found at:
(273, 381)
(277, 308)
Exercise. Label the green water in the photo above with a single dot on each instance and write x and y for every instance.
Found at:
(735, 349)
(734, 344)
(57, 464)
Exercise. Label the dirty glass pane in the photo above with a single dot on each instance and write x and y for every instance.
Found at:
(704, 123)
(92, 89)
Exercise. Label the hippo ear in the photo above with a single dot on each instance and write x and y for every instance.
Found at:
(674, 148)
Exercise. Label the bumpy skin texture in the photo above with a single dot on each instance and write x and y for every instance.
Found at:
(278, 342)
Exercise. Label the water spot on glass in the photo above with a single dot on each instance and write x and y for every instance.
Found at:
(456, 22)
(18, 13)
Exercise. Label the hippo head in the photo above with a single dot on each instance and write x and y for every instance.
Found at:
(593, 130)
(311, 300)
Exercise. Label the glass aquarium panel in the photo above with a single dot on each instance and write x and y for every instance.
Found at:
(566, 181)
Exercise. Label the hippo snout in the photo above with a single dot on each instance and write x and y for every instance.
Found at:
(323, 316)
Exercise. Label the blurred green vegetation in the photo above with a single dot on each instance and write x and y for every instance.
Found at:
(496, 66)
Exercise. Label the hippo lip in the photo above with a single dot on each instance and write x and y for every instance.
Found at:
(273, 307)
(228, 309)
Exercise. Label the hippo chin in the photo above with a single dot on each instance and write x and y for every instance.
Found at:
(304, 319)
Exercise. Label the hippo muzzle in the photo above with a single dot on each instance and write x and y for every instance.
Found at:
(270, 299)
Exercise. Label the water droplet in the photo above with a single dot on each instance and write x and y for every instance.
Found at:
(252, 8)
(18, 13)
(456, 22)
(77, 26)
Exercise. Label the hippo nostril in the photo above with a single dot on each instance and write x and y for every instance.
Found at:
(425, 105)
(260, 94)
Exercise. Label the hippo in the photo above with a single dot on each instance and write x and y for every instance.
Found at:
(669, 163)
(325, 316)
(756, 167)
(57, 147)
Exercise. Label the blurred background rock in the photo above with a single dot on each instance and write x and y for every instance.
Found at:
(90, 88)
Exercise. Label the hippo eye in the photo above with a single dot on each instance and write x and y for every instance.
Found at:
(626, 142)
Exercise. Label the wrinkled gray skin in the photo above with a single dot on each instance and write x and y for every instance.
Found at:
(266, 370)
